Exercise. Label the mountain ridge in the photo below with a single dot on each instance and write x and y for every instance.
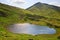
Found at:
(43, 9)
(43, 3)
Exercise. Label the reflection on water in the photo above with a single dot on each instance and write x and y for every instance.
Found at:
(27, 28)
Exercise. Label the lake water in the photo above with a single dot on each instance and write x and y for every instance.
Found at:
(27, 28)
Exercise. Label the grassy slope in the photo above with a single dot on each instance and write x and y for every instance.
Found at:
(10, 15)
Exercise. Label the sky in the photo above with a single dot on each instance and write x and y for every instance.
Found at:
(27, 3)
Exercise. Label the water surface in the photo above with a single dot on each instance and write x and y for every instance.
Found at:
(27, 28)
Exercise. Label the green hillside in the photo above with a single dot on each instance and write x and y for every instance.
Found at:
(11, 15)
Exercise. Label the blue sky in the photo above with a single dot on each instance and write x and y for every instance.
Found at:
(27, 3)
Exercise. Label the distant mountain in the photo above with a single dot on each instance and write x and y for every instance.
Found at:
(45, 10)
(50, 13)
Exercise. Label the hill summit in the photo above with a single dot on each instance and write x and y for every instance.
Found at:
(45, 10)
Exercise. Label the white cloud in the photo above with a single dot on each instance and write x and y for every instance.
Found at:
(55, 3)
(18, 1)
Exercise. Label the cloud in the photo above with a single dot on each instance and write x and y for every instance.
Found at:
(19, 1)
(52, 2)
(55, 3)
